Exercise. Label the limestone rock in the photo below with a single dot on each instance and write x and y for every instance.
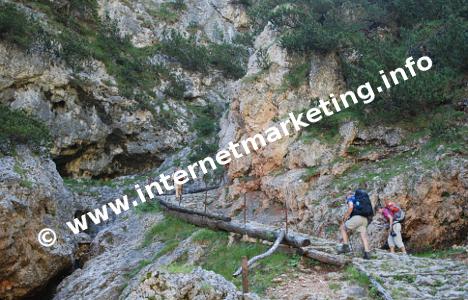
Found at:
(32, 197)
(199, 284)
(115, 252)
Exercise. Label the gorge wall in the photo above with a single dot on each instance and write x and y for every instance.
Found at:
(216, 89)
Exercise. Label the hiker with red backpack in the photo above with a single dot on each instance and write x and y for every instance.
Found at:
(394, 215)
(357, 217)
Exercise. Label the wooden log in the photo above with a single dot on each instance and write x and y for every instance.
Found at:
(251, 229)
(337, 260)
(254, 230)
(263, 255)
(171, 207)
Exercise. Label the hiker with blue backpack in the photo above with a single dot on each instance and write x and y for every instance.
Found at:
(394, 215)
(357, 217)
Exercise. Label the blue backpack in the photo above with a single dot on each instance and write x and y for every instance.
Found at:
(362, 204)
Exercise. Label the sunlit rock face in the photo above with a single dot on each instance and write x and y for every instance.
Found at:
(32, 197)
(97, 131)
(311, 175)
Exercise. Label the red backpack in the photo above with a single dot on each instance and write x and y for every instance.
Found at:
(398, 213)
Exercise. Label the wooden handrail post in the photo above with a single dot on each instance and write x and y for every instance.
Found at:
(286, 215)
(245, 276)
(245, 210)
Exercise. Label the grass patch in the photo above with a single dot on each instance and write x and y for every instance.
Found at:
(19, 127)
(445, 253)
(406, 278)
(83, 185)
(141, 264)
(352, 274)
(179, 268)
(310, 172)
(168, 229)
(206, 235)
(224, 260)
(169, 246)
(130, 192)
(219, 257)
(148, 207)
(334, 286)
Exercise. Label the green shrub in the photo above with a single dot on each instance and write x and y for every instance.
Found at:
(148, 207)
(178, 5)
(444, 125)
(413, 12)
(245, 39)
(263, 59)
(434, 28)
(202, 150)
(298, 75)
(16, 27)
(228, 58)
(185, 51)
(176, 88)
(205, 122)
(165, 13)
(18, 127)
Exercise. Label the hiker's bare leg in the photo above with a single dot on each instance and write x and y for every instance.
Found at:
(403, 250)
(392, 249)
(365, 241)
(344, 234)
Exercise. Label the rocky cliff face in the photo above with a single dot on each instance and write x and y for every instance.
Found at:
(100, 131)
(312, 171)
(97, 131)
(32, 197)
(94, 129)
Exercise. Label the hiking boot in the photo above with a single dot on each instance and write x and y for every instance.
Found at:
(343, 249)
(366, 255)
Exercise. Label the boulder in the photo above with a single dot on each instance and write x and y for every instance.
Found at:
(32, 197)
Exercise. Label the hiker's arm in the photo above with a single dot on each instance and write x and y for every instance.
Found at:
(348, 212)
(390, 228)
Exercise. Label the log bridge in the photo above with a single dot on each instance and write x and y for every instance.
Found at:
(301, 242)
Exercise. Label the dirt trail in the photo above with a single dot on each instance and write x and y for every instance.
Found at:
(400, 275)
(316, 282)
